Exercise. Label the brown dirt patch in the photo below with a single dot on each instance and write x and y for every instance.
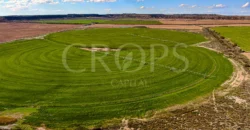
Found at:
(14, 31)
(202, 22)
(229, 25)
(7, 120)
(247, 55)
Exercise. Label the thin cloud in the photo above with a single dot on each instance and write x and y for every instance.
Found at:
(187, 6)
(44, 2)
(217, 6)
(101, 1)
(193, 6)
(245, 5)
(183, 5)
(139, 0)
(147, 8)
(108, 10)
(142, 7)
(73, 1)
(95, 1)
(16, 5)
(58, 10)
(15, 8)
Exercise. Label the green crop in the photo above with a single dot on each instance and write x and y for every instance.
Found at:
(32, 74)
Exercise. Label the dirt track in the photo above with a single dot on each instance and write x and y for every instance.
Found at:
(14, 31)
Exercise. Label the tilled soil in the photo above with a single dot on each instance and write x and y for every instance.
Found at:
(15, 31)
(202, 22)
(175, 27)
(228, 25)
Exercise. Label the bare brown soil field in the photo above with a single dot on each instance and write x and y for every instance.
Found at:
(229, 25)
(14, 31)
(177, 27)
(202, 22)
(188, 27)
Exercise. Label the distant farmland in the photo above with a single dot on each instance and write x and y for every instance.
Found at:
(33, 75)
(99, 21)
(72, 21)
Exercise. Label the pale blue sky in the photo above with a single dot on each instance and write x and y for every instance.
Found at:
(31, 7)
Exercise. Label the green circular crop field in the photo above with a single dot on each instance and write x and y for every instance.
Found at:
(33, 73)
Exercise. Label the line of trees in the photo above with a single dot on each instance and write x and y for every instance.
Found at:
(141, 16)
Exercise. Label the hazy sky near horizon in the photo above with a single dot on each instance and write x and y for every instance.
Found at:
(39, 7)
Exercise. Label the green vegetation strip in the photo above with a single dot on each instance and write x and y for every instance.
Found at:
(99, 21)
(32, 75)
(238, 35)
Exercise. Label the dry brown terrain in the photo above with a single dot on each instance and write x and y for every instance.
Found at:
(177, 27)
(229, 25)
(247, 55)
(202, 22)
(183, 24)
(14, 31)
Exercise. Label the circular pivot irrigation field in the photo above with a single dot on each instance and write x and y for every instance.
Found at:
(34, 74)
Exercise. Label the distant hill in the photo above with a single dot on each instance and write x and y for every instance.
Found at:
(2, 19)
(141, 16)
